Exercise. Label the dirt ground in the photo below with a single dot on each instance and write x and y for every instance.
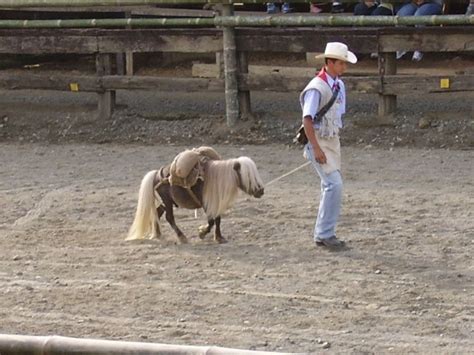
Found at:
(68, 188)
(405, 283)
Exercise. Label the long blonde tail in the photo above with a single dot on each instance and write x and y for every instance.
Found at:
(146, 222)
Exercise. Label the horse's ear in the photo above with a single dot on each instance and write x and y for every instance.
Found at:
(237, 166)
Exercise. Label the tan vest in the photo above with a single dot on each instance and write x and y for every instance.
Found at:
(328, 133)
(328, 127)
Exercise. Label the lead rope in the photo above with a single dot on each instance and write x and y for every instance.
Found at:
(272, 181)
(288, 173)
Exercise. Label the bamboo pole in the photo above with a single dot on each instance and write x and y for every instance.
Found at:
(247, 21)
(52, 3)
(57, 345)
(230, 70)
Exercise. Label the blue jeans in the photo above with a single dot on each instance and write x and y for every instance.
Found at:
(331, 198)
(424, 10)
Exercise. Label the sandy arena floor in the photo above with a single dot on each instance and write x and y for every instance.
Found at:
(405, 283)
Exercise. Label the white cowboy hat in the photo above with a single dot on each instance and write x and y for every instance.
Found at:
(338, 50)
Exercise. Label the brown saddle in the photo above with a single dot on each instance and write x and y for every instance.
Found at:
(185, 172)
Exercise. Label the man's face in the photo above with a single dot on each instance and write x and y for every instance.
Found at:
(337, 66)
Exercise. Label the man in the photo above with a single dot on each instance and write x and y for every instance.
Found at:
(326, 92)
(470, 8)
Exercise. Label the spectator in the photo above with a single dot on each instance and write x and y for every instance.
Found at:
(375, 8)
(419, 8)
(272, 8)
(386, 8)
(336, 7)
(365, 8)
(470, 8)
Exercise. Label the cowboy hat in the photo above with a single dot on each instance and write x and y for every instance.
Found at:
(338, 50)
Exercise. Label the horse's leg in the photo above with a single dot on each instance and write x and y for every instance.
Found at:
(217, 233)
(170, 218)
(160, 210)
(167, 199)
(204, 230)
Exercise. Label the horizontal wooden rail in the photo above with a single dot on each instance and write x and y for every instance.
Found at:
(391, 84)
(363, 40)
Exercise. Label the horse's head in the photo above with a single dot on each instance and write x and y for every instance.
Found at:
(248, 177)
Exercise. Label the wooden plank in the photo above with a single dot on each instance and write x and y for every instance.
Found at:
(211, 70)
(162, 83)
(456, 42)
(201, 40)
(304, 41)
(33, 44)
(91, 83)
(398, 84)
(57, 82)
(280, 83)
(393, 85)
(153, 41)
(88, 41)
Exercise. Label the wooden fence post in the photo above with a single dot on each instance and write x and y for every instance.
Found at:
(106, 97)
(128, 54)
(230, 70)
(220, 65)
(387, 103)
(244, 96)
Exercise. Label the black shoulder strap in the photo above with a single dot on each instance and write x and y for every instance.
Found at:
(328, 106)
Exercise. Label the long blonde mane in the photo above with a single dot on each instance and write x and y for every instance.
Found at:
(221, 183)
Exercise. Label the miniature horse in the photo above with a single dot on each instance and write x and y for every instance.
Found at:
(215, 193)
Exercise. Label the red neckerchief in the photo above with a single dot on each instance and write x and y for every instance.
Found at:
(323, 75)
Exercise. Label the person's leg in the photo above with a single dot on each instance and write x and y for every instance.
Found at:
(361, 9)
(470, 8)
(426, 10)
(271, 8)
(407, 10)
(337, 6)
(330, 200)
(382, 11)
(329, 206)
(285, 8)
(429, 9)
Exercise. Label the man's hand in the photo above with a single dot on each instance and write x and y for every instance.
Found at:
(319, 155)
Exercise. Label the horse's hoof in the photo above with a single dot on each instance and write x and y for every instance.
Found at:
(221, 240)
(202, 231)
(183, 240)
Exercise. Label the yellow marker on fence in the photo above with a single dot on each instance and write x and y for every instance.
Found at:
(444, 83)
(74, 87)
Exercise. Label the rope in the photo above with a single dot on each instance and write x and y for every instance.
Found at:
(272, 181)
(288, 173)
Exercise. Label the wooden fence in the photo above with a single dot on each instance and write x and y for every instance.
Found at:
(235, 43)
